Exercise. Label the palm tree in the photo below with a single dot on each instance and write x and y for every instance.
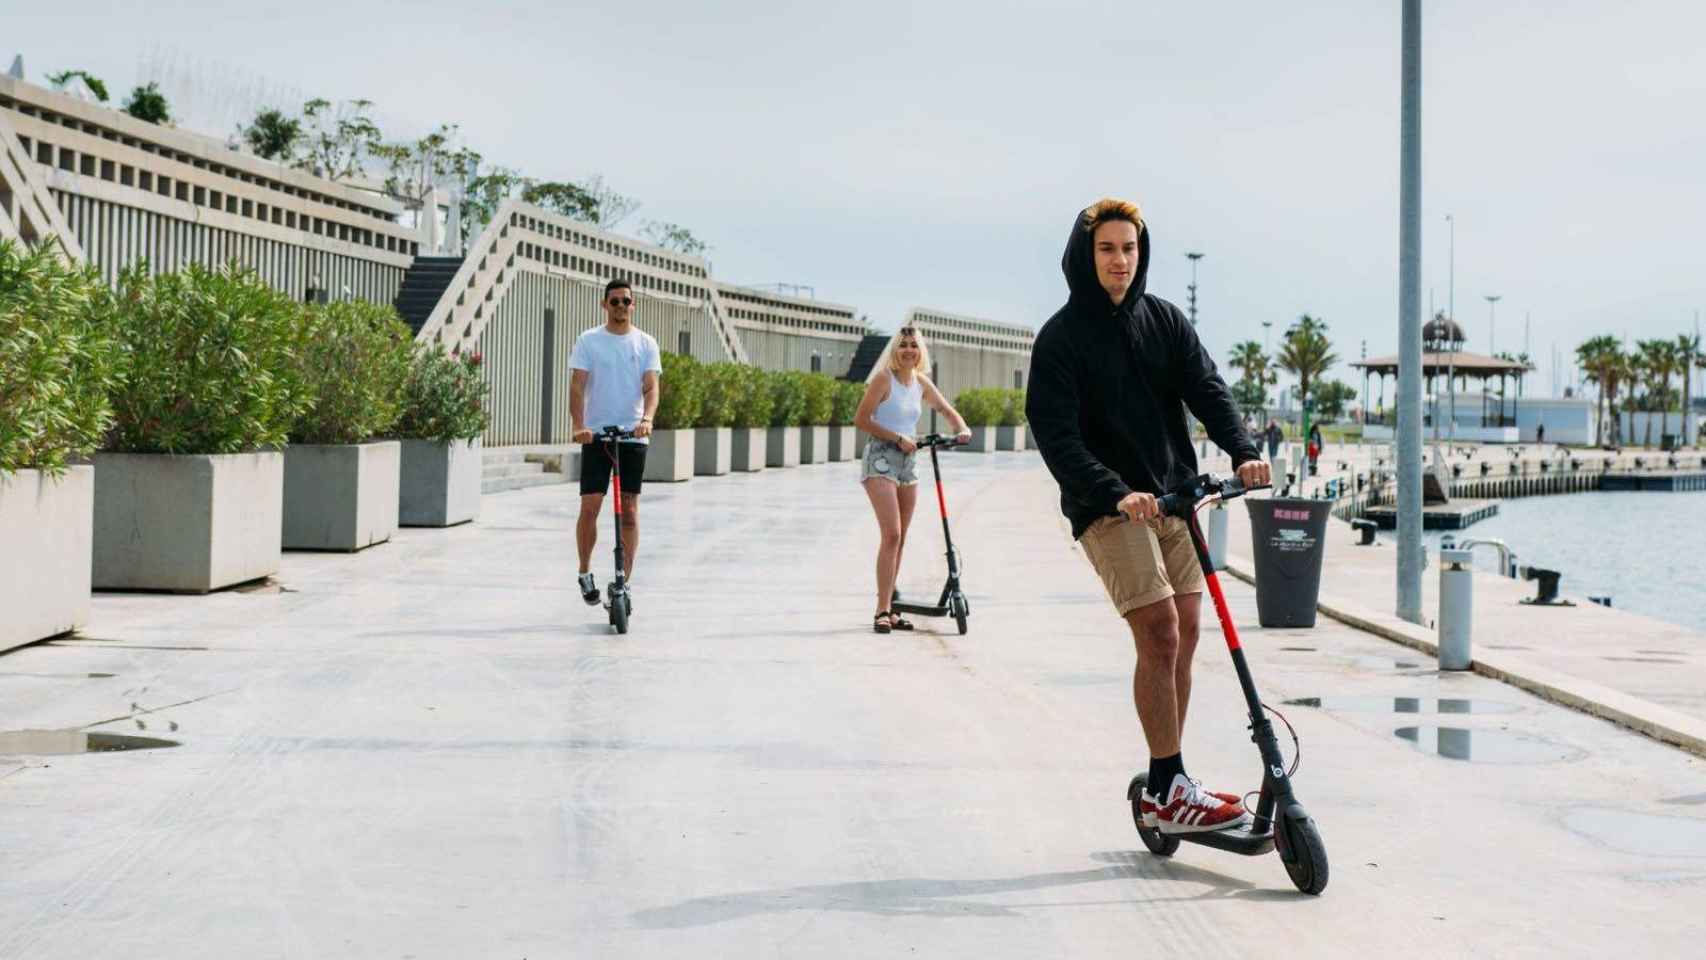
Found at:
(1658, 362)
(1688, 356)
(1598, 358)
(1255, 365)
(1307, 354)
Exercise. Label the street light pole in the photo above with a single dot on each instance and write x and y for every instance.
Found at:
(1451, 313)
(1492, 318)
(1265, 325)
(1194, 258)
(1409, 433)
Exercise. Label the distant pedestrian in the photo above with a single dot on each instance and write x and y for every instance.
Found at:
(1275, 436)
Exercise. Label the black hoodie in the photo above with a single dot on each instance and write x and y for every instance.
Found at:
(1109, 386)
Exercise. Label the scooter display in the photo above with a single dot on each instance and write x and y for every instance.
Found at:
(617, 602)
(952, 602)
(1279, 820)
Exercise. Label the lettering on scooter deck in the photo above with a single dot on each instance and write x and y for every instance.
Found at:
(1279, 822)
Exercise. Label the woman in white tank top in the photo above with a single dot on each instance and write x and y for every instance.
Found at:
(895, 397)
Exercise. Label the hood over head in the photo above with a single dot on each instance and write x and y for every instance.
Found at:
(1079, 265)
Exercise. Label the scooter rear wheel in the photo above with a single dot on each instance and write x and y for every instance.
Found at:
(1158, 843)
(619, 613)
(1303, 853)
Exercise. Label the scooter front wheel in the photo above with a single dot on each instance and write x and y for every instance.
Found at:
(1158, 843)
(962, 610)
(1303, 853)
(619, 613)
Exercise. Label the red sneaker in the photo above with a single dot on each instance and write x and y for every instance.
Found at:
(1191, 809)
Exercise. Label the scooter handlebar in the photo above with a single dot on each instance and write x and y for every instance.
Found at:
(615, 433)
(938, 440)
(1205, 488)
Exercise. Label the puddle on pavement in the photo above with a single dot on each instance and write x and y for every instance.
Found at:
(1643, 659)
(1506, 646)
(1404, 704)
(42, 743)
(1297, 649)
(1664, 653)
(1643, 834)
(1381, 663)
(61, 676)
(1487, 746)
(1693, 798)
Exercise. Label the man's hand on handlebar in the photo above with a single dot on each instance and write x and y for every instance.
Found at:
(1139, 507)
(1254, 473)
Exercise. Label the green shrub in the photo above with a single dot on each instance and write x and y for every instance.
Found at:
(353, 365)
(443, 397)
(820, 399)
(209, 362)
(787, 398)
(754, 401)
(847, 397)
(1013, 413)
(981, 407)
(681, 392)
(724, 383)
(58, 359)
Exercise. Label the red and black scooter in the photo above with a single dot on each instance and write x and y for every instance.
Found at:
(616, 601)
(1279, 821)
(953, 601)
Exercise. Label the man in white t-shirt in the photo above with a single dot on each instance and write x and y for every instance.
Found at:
(613, 383)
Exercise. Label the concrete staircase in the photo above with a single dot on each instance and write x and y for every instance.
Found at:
(423, 286)
(516, 468)
(865, 357)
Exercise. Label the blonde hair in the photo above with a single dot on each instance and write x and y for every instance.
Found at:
(1111, 208)
(889, 362)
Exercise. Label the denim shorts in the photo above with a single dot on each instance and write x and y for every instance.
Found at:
(885, 460)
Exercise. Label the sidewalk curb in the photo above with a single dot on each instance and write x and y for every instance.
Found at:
(1642, 716)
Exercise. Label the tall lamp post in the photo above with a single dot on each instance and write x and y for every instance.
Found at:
(1409, 433)
(1451, 312)
(1492, 316)
(1194, 258)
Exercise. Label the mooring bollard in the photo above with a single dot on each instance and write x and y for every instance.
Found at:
(1217, 536)
(1456, 607)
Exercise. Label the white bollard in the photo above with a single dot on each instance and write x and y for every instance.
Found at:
(1456, 608)
(1217, 524)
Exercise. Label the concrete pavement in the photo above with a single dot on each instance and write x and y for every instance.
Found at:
(433, 749)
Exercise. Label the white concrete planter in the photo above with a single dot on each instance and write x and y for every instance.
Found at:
(982, 441)
(814, 444)
(341, 496)
(748, 446)
(47, 533)
(1010, 438)
(782, 447)
(187, 523)
(713, 451)
(842, 441)
(670, 458)
(439, 483)
(861, 440)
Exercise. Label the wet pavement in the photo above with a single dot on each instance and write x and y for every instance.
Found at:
(433, 749)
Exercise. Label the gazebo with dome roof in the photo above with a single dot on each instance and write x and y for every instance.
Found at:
(1443, 356)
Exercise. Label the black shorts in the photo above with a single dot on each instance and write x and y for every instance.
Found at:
(595, 467)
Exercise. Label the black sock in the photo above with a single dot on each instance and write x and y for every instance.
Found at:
(1162, 770)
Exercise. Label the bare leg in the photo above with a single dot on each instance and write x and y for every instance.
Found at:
(1155, 629)
(907, 499)
(1189, 609)
(630, 532)
(586, 527)
(885, 501)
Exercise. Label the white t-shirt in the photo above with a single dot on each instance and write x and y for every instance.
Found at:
(615, 371)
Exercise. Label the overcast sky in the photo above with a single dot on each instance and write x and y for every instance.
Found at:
(898, 154)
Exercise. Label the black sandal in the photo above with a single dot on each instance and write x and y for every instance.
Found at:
(900, 622)
(882, 622)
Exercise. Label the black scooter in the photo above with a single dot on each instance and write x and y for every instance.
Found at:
(953, 601)
(617, 602)
(1280, 821)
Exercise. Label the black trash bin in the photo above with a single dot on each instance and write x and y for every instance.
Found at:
(1289, 537)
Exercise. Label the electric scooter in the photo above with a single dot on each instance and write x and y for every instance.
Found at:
(1279, 820)
(617, 602)
(953, 602)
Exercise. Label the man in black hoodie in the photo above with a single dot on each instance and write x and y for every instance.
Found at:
(1112, 373)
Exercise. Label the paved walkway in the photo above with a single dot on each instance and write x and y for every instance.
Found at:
(432, 749)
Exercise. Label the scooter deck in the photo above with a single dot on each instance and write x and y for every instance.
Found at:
(1243, 840)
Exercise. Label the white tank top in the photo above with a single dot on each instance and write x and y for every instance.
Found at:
(899, 411)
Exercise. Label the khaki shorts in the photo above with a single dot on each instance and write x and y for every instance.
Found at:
(1143, 563)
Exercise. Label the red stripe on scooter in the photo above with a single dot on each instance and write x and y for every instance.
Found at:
(941, 502)
(1225, 615)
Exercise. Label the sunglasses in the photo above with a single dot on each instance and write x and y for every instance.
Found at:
(909, 331)
(621, 301)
